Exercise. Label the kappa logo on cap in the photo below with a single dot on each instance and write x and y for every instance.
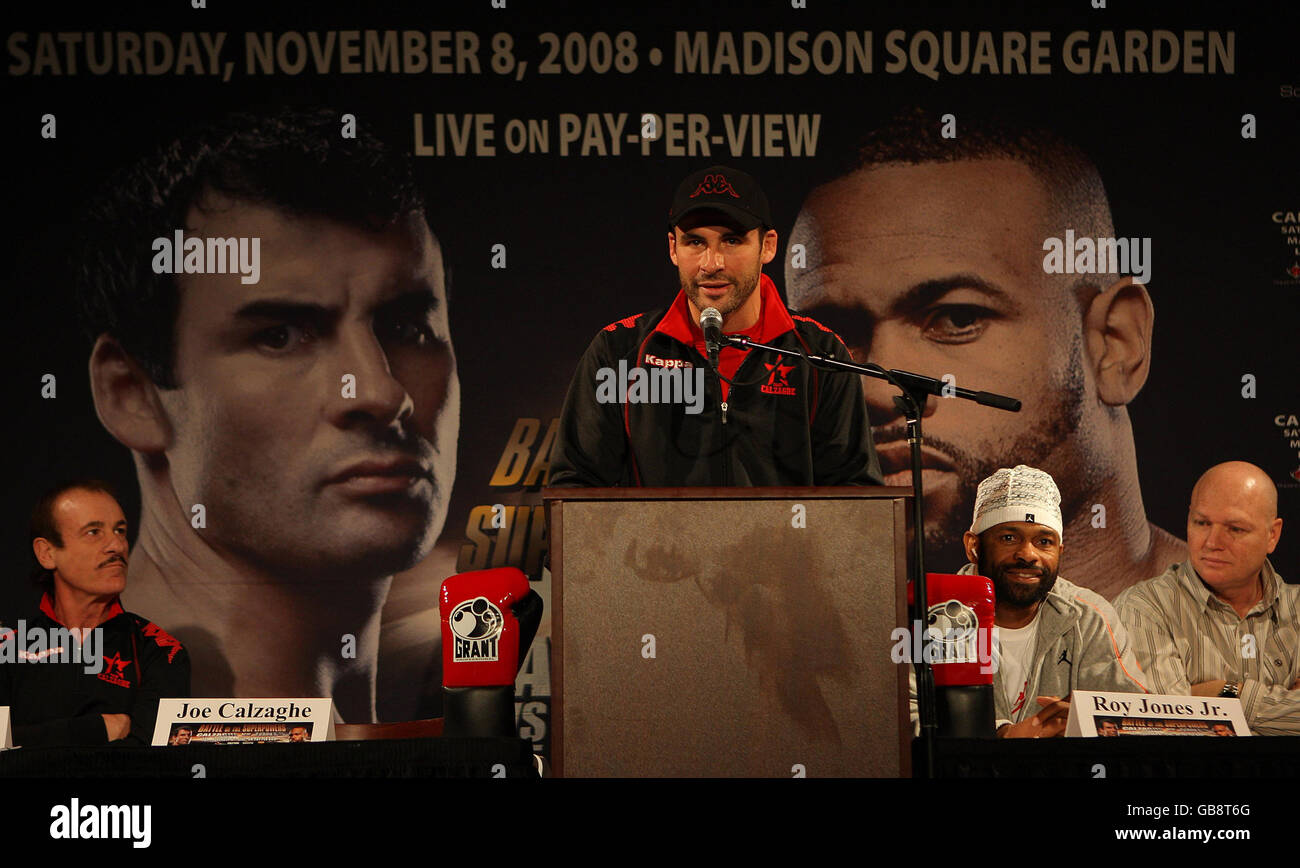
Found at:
(475, 626)
(715, 185)
(1029, 516)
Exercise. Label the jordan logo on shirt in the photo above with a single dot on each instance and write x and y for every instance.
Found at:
(1020, 700)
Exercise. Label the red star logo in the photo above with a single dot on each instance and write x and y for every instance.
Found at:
(780, 374)
(116, 665)
(1294, 270)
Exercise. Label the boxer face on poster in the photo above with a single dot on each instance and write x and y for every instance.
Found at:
(294, 435)
(937, 267)
(337, 364)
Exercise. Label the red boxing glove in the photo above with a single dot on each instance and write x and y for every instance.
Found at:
(960, 617)
(480, 633)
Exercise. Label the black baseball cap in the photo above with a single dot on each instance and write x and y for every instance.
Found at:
(724, 189)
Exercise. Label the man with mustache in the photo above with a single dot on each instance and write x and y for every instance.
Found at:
(59, 697)
(762, 419)
(927, 255)
(293, 423)
(1051, 636)
(1223, 622)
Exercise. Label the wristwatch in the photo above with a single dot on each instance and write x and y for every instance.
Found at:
(1231, 690)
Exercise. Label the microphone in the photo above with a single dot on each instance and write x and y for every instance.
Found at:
(1002, 402)
(711, 325)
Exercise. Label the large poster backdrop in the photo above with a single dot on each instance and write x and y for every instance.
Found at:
(547, 139)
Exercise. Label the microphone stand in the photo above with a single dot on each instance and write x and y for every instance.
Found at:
(914, 390)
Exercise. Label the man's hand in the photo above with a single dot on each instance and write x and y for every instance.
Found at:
(117, 725)
(1048, 723)
(1208, 688)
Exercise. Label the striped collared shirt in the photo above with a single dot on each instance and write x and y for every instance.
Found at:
(1183, 634)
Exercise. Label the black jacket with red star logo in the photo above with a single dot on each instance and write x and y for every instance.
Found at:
(783, 423)
(54, 701)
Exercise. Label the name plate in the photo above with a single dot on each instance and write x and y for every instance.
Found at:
(1095, 714)
(243, 721)
(6, 737)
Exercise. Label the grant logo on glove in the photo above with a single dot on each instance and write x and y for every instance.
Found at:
(475, 626)
(954, 626)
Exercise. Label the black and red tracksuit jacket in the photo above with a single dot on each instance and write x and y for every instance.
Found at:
(785, 422)
(59, 703)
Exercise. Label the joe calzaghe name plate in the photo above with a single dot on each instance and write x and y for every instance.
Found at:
(243, 721)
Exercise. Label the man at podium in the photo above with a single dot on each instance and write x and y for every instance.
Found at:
(650, 405)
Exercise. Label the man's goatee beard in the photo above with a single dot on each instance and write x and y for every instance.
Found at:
(1009, 594)
(740, 294)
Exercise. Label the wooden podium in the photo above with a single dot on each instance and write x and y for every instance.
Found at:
(746, 632)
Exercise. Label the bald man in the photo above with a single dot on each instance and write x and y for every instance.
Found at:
(1222, 622)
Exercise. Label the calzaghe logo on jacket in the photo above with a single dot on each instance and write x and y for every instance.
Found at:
(778, 380)
(476, 627)
(115, 671)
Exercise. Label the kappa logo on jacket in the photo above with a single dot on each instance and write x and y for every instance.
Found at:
(778, 380)
(667, 363)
